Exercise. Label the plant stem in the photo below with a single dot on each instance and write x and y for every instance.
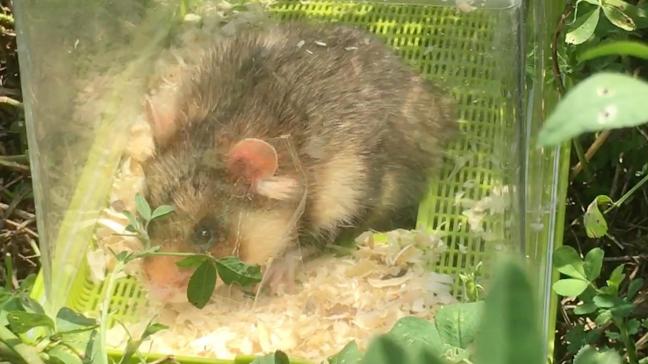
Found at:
(9, 272)
(176, 254)
(627, 195)
(103, 320)
(22, 351)
(582, 160)
(627, 341)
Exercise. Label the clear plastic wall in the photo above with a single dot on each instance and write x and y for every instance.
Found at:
(88, 67)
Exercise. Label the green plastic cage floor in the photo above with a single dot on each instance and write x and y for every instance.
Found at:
(447, 46)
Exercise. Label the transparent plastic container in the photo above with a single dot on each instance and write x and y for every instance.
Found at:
(87, 66)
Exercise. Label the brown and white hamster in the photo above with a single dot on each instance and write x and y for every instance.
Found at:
(364, 129)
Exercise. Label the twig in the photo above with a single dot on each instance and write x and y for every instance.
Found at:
(600, 140)
(582, 160)
(554, 49)
(627, 195)
(20, 213)
(627, 258)
(11, 102)
(9, 162)
(19, 227)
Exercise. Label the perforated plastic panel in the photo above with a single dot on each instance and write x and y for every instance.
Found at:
(470, 53)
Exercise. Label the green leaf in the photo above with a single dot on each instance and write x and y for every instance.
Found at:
(202, 283)
(61, 354)
(602, 101)
(191, 261)
(132, 221)
(509, 332)
(585, 308)
(618, 17)
(416, 334)
(616, 278)
(615, 48)
(161, 211)
(606, 301)
(622, 311)
(152, 328)
(639, 15)
(143, 208)
(584, 27)
(457, 323)
(233, 270)
(633, 326)
(594, 221)
(133, 345)
(68, 320)
(568, 262)
(634, 287)
(593, 263)
(278, 357)
(21, 321)
(386, 350)
(570, 287)
(613, 335)
(589, 355)
(350, 354)
(603, 317)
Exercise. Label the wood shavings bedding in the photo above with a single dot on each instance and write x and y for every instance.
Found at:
(338, 299)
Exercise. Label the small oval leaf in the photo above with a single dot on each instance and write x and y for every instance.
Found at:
(606, 301)
(634, 287)
(202, 283)
(589, 355)
(584, 27)
(143, 208)
(593, 263)
(585, 308)
(233, 270)
(593, 219)
(162, 211)
(618, 17)
(21, 321)
(457, 323)
(603, 101)
(570, 287)
(191, 261)
(568, 262)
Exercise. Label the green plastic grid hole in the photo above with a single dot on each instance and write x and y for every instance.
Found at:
(445, 47)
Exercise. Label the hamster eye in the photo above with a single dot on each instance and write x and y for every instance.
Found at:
(203, 235)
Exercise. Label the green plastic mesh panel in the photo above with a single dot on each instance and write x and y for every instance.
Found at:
(456, 49)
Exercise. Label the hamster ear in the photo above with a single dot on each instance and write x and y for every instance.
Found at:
(252, 160)
(255, 161)
(161, 115)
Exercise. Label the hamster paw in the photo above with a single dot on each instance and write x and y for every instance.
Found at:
(281, 275)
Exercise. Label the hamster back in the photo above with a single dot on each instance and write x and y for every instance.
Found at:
(366, 131)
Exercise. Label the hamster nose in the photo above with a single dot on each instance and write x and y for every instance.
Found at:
(162, 272)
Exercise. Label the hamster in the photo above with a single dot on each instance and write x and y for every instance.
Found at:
(286, 135)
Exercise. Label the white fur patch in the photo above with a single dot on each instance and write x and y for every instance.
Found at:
(278, 188)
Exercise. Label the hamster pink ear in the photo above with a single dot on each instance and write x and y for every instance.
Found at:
(252, 159)
(160, 111)
(256, 161)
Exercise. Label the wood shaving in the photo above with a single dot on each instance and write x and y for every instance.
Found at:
(332, 306)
